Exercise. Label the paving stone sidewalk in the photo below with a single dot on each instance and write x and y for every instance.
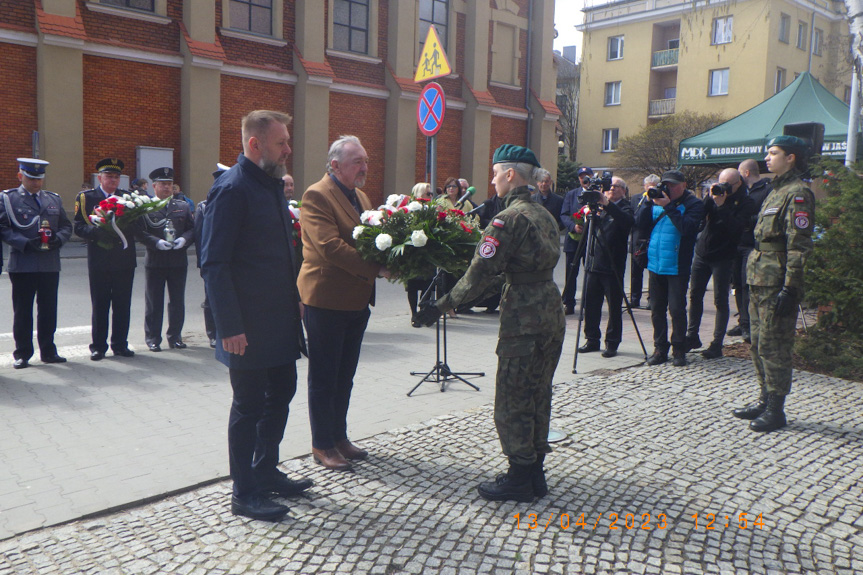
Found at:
(647, 448)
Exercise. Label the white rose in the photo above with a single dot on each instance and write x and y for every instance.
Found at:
(127, 197)
(393, 199)
(358, 231)
(139, 201)
(383, 241)
(364, 217)
(415, 206)
(130, 204)
(419, 238)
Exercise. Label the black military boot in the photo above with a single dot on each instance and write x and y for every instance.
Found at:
(540, 487)
(514, 485)
(773, 417)
(754, 409)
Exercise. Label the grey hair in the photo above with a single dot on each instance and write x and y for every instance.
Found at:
(541, 174)
(528, 172)
(652, 180)
(337, 148)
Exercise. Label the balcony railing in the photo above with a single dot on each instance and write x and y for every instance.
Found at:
(660, 107)
(665, 58)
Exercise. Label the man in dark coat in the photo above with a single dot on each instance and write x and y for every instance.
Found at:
(34, 224)
(247, 264)
(605, 269)
(549, 200)
(572, 204)
(167, 233)
(111, 266)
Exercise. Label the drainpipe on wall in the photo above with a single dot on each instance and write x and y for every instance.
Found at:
(527, 76)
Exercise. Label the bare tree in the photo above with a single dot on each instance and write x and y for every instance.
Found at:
(654, 149)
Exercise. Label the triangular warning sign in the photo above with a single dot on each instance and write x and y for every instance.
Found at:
(433, 62)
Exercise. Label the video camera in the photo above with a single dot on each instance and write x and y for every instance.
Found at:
(595, 187)
(658, 191)
(720, 189)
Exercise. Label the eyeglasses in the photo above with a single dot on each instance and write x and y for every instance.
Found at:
(617, 186)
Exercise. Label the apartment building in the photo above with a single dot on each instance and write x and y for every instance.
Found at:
(644, 60)
(172, 78)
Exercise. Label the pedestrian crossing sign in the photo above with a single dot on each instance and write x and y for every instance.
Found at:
(433, 62)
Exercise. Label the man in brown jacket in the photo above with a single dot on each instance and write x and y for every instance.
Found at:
(336, 287)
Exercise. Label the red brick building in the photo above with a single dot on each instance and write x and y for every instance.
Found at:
(120, 78)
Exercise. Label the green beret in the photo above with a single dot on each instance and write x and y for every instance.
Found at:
(514, 154)
(790, 143)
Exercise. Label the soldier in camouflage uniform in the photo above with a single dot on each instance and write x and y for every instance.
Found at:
(774, 272)
(522, 242)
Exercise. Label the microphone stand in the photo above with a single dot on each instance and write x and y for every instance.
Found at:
(441, 372)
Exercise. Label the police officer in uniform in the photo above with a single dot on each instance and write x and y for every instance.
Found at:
(523, 243)
(774, 272)
(34, 224)
(111, 267)
(167, 234)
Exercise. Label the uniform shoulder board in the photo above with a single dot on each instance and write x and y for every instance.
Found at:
(50, 193)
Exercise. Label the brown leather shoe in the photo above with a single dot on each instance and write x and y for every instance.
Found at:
(331, 459)
(351, 451)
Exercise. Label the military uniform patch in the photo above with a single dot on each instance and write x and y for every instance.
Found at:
(771, 211)
(497, 222)
(491, 239)
(486, 249)
(801, 220)
(799, 199)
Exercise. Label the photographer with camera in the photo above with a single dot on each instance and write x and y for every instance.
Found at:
(774, 272)
(571, 204)
(606, 268)
(670, 217)
(727, 211)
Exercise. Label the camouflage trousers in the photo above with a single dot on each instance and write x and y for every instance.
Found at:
(522, 402)
(772, 339)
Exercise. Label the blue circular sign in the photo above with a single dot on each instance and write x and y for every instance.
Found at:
(431, 109)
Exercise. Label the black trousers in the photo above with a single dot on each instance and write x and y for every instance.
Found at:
(741, 288)
(259, 413)
(334, 339)
(154, 300)
(601, 286)
(569, 288)
(111, 289)
(668, 296)
(702, 270)
(43, 287)
(636, 280)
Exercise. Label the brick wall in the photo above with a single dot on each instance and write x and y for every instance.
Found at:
(239, 96)
(129, 32)
(118, 120)
(364, 118)
(505, 131)
(18, 94)
(240, 51)
(17, 14)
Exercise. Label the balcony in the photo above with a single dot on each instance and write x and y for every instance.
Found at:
(660, 108)
(665, 58)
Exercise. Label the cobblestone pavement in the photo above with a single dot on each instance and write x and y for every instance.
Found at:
(647, 449)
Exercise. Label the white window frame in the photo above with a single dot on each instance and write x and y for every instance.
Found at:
(817, 41)
(158, 15)
(784, 28)
(722, 31)
(781, 77)
(802, 34)
(714, 88)
(618, 42)
(610, 137)
(612, 93)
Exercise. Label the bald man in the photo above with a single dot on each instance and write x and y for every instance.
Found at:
(759, 188)
(727, 210)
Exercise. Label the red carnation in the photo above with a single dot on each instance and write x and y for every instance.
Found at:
(456, 212)
(441, 215)
(465, 227)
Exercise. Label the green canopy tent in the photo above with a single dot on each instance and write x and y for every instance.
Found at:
(744, 137)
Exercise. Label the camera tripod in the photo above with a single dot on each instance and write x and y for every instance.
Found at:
(586, 247)
(441, 372)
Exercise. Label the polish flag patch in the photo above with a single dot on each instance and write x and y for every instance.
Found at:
(497, 222)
